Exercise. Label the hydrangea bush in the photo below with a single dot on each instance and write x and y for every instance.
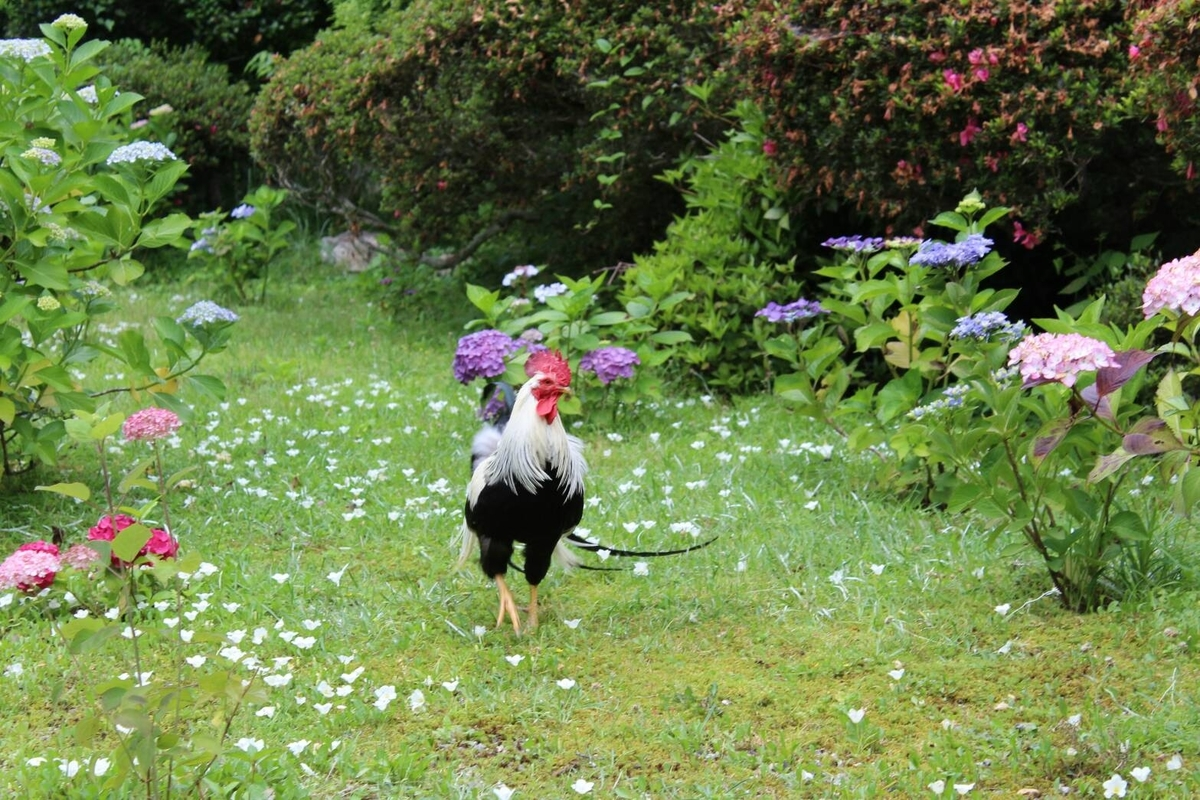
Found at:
(159, 729)
(1037, 434)
(76, 205)
(237, 248)
(603, 347)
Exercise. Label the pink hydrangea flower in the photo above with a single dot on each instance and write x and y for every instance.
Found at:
(40, 546)
(80, 556)
(150, 424)
(108, 527)
(1059, 357)
(29, 570)
(1176, 288)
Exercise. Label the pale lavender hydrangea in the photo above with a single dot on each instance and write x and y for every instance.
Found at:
(855, 244)
(481, 355)
(986, 325)
(610, 363)
(44, 155)
(792, 312)
(1175, 287)
(958, 254)
(1059, 357)
(243, 211)
(520, 273)
(24, 49)
(150, 424)
(206, 312)
(140, 151)
(544, 293)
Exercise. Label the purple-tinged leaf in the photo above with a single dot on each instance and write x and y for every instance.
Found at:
(1150, 436)
(1108, 464)
(1048, 438)
(1100, 406)
(1109, 379)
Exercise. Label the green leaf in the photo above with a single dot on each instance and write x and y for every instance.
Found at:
(1189, 490)
(8, 411)
(951, 220)
(670, 337)
(481, 298)
(1129, 527)
(51, 276)
(77, 490)
(607, 318)
(129, 542)
(167, 230)
(125, 271)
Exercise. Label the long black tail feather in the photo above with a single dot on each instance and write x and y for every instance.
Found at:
(587, 544)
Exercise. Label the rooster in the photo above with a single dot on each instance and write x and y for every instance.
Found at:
(529, 489)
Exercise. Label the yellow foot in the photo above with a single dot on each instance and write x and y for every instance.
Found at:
(508, 606)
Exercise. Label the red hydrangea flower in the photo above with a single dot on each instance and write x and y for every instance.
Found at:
(40, 546)
(161, 544)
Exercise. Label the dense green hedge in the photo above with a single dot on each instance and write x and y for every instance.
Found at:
(470, 114)
(878, 112)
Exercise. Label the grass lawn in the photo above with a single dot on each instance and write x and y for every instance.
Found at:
(329, 492)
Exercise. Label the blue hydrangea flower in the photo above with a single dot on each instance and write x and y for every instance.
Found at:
(958, 254)
(610, 363)
(243, 211)
(952, 397)
(855, 244)
(44, 155)
(206, 312)
(793, 311)
(481, 355)
(987, 324)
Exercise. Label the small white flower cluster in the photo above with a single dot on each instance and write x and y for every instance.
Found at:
(69, 22)
(88, 95)
(140, 151)
(25, 49)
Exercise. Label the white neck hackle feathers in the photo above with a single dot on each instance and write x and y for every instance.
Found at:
(527, 444)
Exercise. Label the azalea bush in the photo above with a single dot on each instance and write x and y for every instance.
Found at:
(237, 248)
(159, 727)
(77, 205)
(913, 359)
(603, 347)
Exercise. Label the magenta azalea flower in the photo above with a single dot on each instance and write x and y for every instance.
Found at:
(1059, 357)
(1176, 287)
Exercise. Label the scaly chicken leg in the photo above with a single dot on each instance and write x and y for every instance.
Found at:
(508, 606)
(533, 608)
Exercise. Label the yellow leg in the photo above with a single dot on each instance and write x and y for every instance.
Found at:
(508, 606)
(533, 608)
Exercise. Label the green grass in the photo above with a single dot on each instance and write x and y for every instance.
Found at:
(727, 672)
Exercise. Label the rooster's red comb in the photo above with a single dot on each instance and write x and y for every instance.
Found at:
(549, 363)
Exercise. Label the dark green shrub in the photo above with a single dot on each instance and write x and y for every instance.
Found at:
(730, 251)
(231, 30)
(544, 113)
(207, 118)
(1164, 54)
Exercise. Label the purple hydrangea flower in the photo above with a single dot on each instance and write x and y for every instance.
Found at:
(855, 244)
(959, 254)
(482, 354)
(242, 211)
(793, 311)
(987, 324)
(610, 363)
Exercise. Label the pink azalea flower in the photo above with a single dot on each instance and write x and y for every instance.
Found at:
(976, 56)
(769, 148)
(1019, 135)
(1175, 288)
(953, 79)
(1059, 357)
(150, 424)
(967, 134)
(1025, 238)
(981, 74)
(29, 570)
(1134, 52)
